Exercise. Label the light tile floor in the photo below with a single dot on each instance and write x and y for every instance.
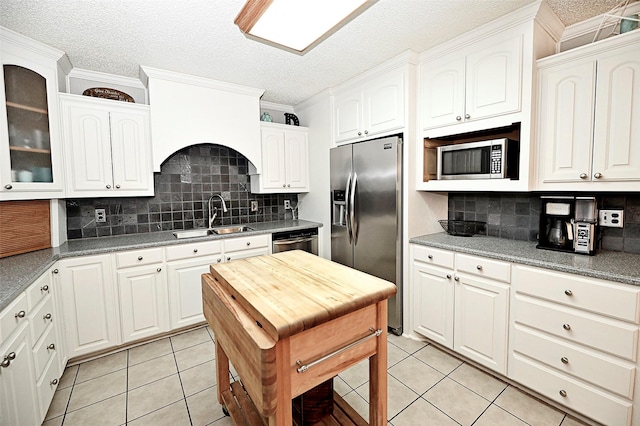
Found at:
(172, 382)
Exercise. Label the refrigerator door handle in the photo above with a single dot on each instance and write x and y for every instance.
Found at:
(354, 221)
(348, 208)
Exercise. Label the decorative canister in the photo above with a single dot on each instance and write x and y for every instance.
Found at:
(266, 117)
(627, 25)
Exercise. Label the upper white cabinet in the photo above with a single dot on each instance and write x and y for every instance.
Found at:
(589, 109)
(472, 85)
(30, 148)
(285, 160)
(372, 107)
(107, 147)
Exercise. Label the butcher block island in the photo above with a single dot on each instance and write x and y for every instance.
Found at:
(289, 323)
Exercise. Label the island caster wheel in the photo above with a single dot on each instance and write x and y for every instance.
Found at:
(225, 411)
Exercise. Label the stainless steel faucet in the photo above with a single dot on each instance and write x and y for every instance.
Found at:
(213, 211)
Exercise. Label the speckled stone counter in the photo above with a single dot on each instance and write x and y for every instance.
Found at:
(608, 265)
(18, 272)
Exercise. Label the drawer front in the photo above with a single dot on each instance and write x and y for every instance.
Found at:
(433, 256)
(482, 267)
(139, 257)
(244, 243)
(39, 290)
(12, 316)
(46, 348)
(613, 375)
(340, 332)
(40, 318)
(48, 384)
(616, 338)
(599, 296)
(187, 251)
(601, 406)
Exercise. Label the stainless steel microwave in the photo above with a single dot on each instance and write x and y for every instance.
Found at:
(492, 159)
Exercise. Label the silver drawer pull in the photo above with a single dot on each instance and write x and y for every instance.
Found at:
(44, 288)
(564, 360)
(140, 257)
(302, 368)
(51, 347)
(53, 382)
(248, 243)
(20, 314)
(566, 326)
(430, 256)
(479, 267)
(218, 260)
(46, 316)
(159, 269)
(448, 276)
(195, 250)
(563, 393)
(456, 278)
(568, 292)
(5, 363)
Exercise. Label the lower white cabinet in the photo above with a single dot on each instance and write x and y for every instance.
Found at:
(89, 304)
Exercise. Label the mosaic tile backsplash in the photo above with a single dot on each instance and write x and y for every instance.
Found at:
(182, 189)
(516, 216)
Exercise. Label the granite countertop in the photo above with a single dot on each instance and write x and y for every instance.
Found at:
(20, 271)
(608, 265)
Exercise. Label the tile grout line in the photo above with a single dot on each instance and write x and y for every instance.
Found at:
(126, 398)
(175, 360)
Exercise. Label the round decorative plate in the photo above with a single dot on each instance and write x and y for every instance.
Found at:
(106, 93)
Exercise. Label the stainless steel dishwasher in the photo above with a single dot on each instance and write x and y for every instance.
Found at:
(299, 239)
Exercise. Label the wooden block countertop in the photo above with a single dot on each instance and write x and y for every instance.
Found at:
(293, 291)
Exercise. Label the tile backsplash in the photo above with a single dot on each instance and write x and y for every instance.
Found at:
(182, 189)
(515, 216)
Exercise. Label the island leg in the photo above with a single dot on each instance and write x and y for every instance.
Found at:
(222, 371)
(283, 415)
(378, 371)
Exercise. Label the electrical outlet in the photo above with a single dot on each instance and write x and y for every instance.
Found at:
(101, 216)
(611, 218)
(287, 204)
(254, 206)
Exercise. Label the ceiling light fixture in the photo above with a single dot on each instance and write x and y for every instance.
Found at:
(297, 25)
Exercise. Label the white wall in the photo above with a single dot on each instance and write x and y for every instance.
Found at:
(315, 113)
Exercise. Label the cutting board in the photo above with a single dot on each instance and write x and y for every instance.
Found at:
(24, 226)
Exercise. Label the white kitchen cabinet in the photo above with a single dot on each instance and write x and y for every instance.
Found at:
(372, 108)
(107, 147)
(589, 107)
(462, 302)
(285, 160)
(243, 247)
(89, 302)
(31, 164)
(479, 82)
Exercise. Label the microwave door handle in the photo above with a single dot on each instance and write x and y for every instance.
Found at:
(354, 218)
(348, 209)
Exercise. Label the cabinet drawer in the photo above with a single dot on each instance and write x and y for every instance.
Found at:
(601, 406)
(616, 376)
(602, 297)
(139, 257)
(616, 338)
(244, 243)
(45, 348)
(433, 256)
(12, 316)
(48, 384)
(483, 267)
(40, 318)
(341, 332)
(187, 251)
(39, 290)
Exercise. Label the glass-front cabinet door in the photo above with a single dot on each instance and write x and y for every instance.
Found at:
(29, 135)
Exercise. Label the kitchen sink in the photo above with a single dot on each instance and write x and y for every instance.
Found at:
(222, 230)
(231, 229)
(192, 233)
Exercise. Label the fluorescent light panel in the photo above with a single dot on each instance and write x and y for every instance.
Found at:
(296, 24)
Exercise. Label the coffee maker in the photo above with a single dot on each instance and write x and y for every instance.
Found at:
(568, 224)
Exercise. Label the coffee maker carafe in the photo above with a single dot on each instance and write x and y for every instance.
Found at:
(557, 235)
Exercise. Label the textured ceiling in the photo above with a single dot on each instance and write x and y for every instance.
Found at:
(198, 37)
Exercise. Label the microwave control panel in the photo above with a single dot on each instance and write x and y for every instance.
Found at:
(496, 159)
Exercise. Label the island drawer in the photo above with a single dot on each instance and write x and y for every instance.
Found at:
(592, 402)
(433, 256)
(244, 243)
(601, 370)
(187, 251)
(139, 257)
(576, 326)
(12, 316)
(590, 294)
(483, 267)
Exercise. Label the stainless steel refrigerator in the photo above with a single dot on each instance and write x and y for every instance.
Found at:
(366, 228)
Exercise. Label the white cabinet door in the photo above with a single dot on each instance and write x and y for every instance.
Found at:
(433, 302)
(185, 289)
(616, 141)
(481, 321)
(89, 304)
(130, 150)
(273, 159)
(348, 115)
(383, 106)
(18, 398)
(442, 92)
(296, 160)
(144, 306)
(493, 76)
(566, 122)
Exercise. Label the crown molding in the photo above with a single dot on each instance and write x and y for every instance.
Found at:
(591, 25)
(106, 78)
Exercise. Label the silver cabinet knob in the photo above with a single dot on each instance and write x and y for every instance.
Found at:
(448, 276)
(288, 185)
(597, 175)
(108, 186)
(583, 175)
(5, 363)
(46, 317)
(229, 258)
(456, 278)
(458, 118)
(159, 269)
(44, 288)
(248, 243)
(219, 260)
(568, 292)
(195, 250)
(366, 132)
(479, 267)
(53, 382)
(284, 185)
(566, 326)
(564, 360)
(139, 257)
(8, 186)
(359, 133)
(430, 256)
(51, 347)
(467, 116)
(11, 356)
(563, 393)
(20, 314)
(55, 271)
(117, 186)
